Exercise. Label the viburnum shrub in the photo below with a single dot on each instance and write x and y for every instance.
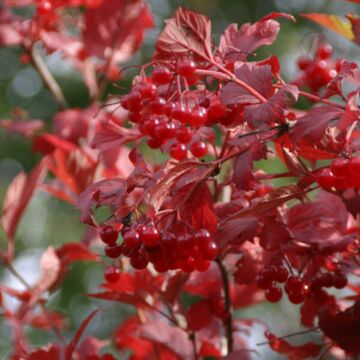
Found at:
(203, 223)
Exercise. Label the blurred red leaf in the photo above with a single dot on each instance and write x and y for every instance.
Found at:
(293, 352)
(16, 199)
(70, 348)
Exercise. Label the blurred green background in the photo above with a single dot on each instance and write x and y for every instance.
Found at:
(50, 222)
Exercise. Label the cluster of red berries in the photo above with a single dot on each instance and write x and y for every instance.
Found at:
(342, 174)
(170, 120)
(318, 71)
(144, 244)
(296, 287)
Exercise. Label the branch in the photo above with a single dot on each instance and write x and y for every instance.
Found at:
(227, 321)
(48, 78)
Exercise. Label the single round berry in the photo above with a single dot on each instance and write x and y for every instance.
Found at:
(339, 167)
(178, 151)
(202, 238)
(186, 68)
(263, 280)
(216, 112)
(198, 149)
(154, 143)
(210, 251)
(134, 101)
(201, 264)
(198, 116)
(150, 236)
(324, 51)
(327, 280)
(131, 239)
(108, 235)
(325, 178)
(273, 293)
(44, 8)
(296, 297)
(303, 62)
(112, 274)
(139, 262)
(113, 251)
(157, 106)
(281, 274)
(147, 90)
(340, 279)
(161, 75)
(183, 135)
(294, 284)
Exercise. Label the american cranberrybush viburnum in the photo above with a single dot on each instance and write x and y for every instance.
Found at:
(203, 221)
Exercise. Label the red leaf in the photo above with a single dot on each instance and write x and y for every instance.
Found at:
(236, 45)
(16, 199)
(22, 127)
(48, 352)
(104, 192)
(48, 320)
(314, 123)
(174, 338)
(273, 109)
(236, 231)
(257, 76)
(10, 32)
(159, 192)
(293, 352)
(48, 143)
(198, 209)
(186, 32)
(116, 28)
(275, 234)
(199, 315)
(328, 233)
(71, 252)
(70, 348)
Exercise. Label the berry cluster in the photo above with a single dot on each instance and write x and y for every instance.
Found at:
(169, 118)
(318, 71)
(295, 286)
(342, 174)
(144, 243)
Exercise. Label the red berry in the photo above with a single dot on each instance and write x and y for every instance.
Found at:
(178, 151)
(263, 280)
(186, 68)
(339, 167)
(354, 167)
(296, 297)
(136, 117)
(157, 106)
(202, 238)
(161, 266)
(326, 280)
(112, 274)
(325, 178)
(131, 239)
(273, 293)
(181, 113)
(303, 62)
(154, 143)
(216, 112)
(165, 131)
(324, 51)
(183, 135)
(294, 284)
(139, 261)
(150, 236)
(147, 90)
(201, 264)
(134, 101)
(340, 279)
(281, 274)
(168, 242)
(44, 8)
(108, 235)
(210, 251)
(161, 75)
(198, 116)
(198, 149)
(113, 251)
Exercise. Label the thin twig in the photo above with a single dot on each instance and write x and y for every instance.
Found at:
(48, 78)
(227, 321)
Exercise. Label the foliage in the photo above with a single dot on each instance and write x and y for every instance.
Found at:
(203, 223)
